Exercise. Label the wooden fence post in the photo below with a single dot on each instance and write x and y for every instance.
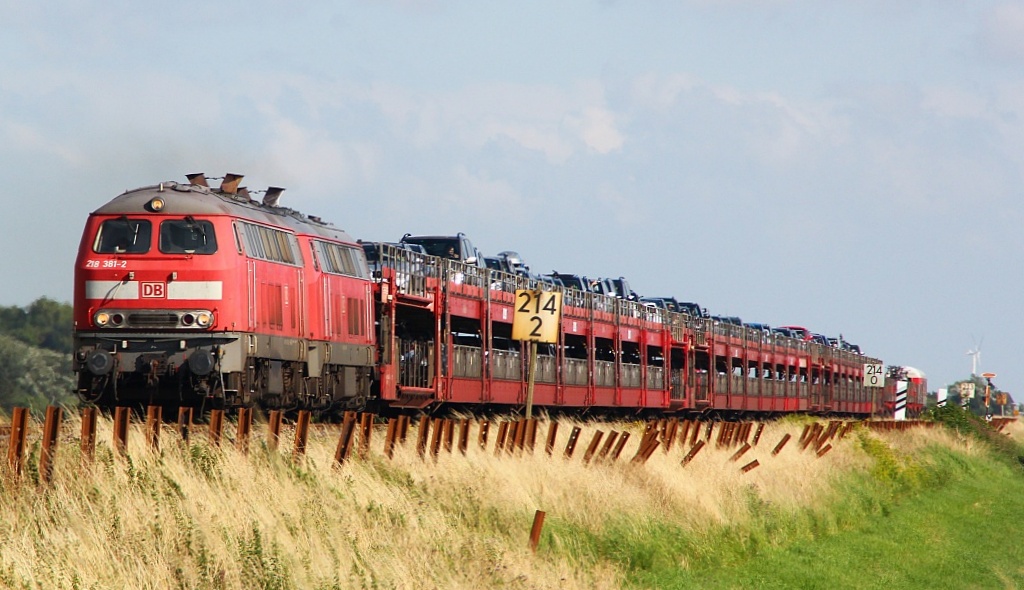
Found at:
(51, 434)
(244, 428)
(216, 426)
(301, 434)
(121, 418)
(274, 429)
(570, 447)
(16, 446)
(88, 434)
(154, 416)
(184, 423)
(538, 525)
(549, 447)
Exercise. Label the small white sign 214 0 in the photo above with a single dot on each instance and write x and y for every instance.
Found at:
(874, 375)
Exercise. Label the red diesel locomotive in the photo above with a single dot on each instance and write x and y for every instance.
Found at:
(186, 295)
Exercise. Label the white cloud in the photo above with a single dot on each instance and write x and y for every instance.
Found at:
(325, 165)
(658, 92)
(596, 127)
(19, 137)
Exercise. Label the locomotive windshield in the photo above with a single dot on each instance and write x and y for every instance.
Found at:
(123, 236)
(187, 236)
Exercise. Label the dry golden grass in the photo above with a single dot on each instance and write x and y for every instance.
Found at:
(1015, 430)
(196, 516)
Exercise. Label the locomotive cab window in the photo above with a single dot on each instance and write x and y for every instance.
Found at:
(187, 236)
(123, 236)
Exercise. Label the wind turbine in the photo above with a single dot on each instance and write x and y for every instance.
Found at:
(975, 354)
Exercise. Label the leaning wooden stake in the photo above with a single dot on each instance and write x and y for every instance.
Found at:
(592, 448)
(344, 449)
(390, 438)
(531, 434)
(88, 433)
(423, 436)
(570, 447)
(365, 431)
(216, 426)
(121, 416)
(538, 525)
(670, 434)
(51, 433)
(437, 425)
(485, 428)
(154, 418)
(448, 434)
(782, 443)
(274, 429)
(736, 456)
(619, 446)
(19, 433)
(301, 433)
(693, 453)
(244, 428)
(464, 427)
(757, 435)
(184, 423)
(499, 445)
(549, 447)
(606, 448)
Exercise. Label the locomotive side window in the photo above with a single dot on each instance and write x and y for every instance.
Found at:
(187, 236)
(270, 244)
(123, 236)
(342, 260)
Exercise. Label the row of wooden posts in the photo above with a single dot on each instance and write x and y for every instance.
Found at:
(434, 434)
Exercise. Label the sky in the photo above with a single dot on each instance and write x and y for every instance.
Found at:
(850, 166)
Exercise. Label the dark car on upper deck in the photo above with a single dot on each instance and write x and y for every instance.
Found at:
(457, 247)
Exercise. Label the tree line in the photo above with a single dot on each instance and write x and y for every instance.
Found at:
(35, 355)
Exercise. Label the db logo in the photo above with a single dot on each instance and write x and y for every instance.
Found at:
(153, 290)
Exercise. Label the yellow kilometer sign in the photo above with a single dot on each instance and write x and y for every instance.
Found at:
(537, 315)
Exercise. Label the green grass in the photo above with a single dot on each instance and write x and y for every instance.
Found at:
(937, 519)
(958, 535)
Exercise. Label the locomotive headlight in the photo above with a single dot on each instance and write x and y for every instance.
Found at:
(204, 319)
(101, 318)
(156, 204)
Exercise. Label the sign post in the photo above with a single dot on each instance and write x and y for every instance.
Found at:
(536, 319)
(988, 390)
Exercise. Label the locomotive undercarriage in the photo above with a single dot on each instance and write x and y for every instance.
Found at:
(286, 385)
(220, 371)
